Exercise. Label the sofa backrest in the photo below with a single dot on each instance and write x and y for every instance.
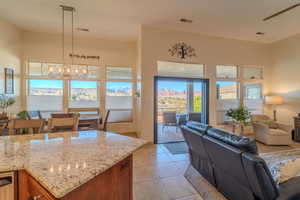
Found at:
(228, 168)
(198, 155)
(260, 178)
(243, 143)
(200, 127)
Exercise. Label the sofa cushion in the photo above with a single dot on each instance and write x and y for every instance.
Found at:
(197, 126)
(270, 123)
(278, 132)
(243, 143)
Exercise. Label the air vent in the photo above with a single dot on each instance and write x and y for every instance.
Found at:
(260, 33)
(183, 20)
(83, 29)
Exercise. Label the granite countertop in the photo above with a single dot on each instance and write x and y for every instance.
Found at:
(62, 162)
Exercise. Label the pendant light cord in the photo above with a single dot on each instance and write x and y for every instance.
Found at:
(63, 36)
(72, 36)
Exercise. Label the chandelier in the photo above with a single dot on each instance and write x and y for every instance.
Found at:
(68, 69)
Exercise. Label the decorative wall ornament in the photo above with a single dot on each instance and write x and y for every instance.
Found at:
(83, 56)
(182, 50)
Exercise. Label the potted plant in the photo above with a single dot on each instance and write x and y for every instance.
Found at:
(239, 116)
(5, 102)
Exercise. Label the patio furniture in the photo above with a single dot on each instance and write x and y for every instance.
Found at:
(194, 116)
(63, 122)
(16, 125)
(271, 134)
(103, 125)
(169, 119)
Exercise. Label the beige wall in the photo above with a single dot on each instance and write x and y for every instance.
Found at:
(48, 47)
(10, 57)
(154, 44)
(285, 76)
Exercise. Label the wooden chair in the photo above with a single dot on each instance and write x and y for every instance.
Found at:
(89, 117)
(85, 111)
(63, 122)
(62, 115)
(36, 125)
(36, 114)
(103, 125)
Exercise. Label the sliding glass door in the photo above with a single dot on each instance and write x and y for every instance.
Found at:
(178, 100)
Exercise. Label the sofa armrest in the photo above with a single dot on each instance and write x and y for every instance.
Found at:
(285, 127)
(260, 127)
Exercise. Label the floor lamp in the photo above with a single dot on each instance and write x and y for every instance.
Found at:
(274, 101)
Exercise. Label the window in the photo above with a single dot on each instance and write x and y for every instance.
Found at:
(94, 72)
(227, 71)
(45, 95)
(227, 90)
(252, 91)
(253, 97)
(118, 95)
(119, 100)
(252, 73)
(118, 73)
(84, 94)
(180, 69)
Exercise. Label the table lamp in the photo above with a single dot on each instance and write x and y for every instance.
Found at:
(274, 100)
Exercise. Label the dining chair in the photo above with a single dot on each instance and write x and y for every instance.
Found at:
(103, 125)
(62, 115)
(63, 122)
(15, 125)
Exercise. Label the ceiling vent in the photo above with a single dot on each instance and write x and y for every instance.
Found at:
(260, 33)
(183, 20)
(83, 29)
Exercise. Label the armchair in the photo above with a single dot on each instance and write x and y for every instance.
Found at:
(271, 136)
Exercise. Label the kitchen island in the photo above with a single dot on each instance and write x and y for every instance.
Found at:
(70, 165)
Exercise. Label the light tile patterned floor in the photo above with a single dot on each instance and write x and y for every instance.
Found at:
(169, 134)
(158, 175)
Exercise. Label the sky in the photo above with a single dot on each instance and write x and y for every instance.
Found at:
(58, 84)
(165, 84)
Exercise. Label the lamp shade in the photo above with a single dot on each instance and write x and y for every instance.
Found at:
(274, 100)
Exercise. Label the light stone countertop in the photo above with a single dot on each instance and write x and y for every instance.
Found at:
(62, 162)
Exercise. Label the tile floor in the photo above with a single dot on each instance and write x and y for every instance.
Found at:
(168, 134)
(158, 175)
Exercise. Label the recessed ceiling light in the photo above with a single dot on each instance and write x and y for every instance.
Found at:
(260, 33)
(186, 20)
(83, 29)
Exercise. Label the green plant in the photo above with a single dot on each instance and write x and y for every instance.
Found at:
(6, 102)
(239, 115)
(23, 115)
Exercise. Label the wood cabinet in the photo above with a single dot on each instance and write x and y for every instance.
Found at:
(113, 184)
(8, 186)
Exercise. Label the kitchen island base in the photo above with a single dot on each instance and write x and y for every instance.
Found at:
(113, 184)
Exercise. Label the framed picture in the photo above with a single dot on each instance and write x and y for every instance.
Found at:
(9, 81)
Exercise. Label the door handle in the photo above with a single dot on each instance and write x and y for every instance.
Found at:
(5, 181)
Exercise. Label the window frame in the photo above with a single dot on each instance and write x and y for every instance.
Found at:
(101, 83)
(241, 81)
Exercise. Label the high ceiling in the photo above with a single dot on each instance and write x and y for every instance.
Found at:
(120, 19)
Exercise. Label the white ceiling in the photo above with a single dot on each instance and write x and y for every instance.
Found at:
(120, 19)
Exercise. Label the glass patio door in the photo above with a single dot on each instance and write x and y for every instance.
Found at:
(178, 100)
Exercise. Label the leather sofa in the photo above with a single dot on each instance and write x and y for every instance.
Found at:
(231, 163)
